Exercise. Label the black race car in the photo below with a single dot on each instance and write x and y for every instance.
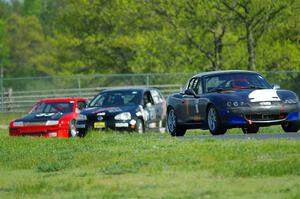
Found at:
(130, 109)
(228, 99)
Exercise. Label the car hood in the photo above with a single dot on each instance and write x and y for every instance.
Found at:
(260, 95)
(109, 110)
(43, 117)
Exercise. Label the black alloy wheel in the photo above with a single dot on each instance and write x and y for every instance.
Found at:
(214, 122)
(173, 128)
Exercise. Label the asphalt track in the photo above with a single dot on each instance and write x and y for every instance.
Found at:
(275, 136)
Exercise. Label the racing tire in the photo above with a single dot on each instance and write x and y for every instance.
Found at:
(214, 122)
(82, 133)
(290, 127)
(140, 127)
(172, 125)
(72, 129)
(250, 130)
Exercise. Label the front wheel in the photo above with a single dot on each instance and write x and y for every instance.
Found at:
(214, 122)
(72, 129)
(82, 133)
(173, 128)
(291, 126)
(139, 127)
(250, 130)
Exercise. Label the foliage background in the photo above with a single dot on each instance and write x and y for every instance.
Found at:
(65, 37)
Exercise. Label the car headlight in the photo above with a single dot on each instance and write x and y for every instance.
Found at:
(290, 101)
(230, 104)
(81, 117)
(17, 124)
(52, 122)
(123, 116)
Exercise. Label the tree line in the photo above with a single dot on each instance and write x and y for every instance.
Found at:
(63, 37)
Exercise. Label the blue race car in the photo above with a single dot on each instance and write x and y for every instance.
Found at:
(222, 100)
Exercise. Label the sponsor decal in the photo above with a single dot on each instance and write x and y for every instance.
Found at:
(45, 114)
(99, 125)
(122, 125)
(102, 114)
(266, 95)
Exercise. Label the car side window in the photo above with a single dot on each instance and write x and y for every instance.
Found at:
(147, 98)
(157, 98)
(196, 85)
(81, 105)
(198, 88)
(191, 84)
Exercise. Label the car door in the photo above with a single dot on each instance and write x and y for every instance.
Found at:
(159, 104)
(198, 103)
(187, 109)
(193, 108)
(149, 108)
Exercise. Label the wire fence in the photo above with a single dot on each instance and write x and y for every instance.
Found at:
(19, 94)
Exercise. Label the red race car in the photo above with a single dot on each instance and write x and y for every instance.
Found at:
(49, 118)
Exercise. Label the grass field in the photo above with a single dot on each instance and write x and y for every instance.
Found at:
(5, 118)
(121, 165)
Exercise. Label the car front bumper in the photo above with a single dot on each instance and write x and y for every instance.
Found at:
(128, 125)
(260, 115)
(39, 131)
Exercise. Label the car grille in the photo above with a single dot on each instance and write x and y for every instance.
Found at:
(35, 134)
(266, 117)
(275, 103)
(94, 118)
(34, 123)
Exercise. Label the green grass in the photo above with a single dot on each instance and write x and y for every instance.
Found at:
(121, 165)
(5, 118)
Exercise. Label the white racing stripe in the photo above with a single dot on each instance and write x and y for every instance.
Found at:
(265, 95)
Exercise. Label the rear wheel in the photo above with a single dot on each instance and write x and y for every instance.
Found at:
(250, 129)
(173, 128)
(161, 126)
(214, 122)
(72, 129)
(291, 126)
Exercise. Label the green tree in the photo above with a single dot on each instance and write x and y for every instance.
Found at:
(29, 53)
(197, 28)
(32, 7)
(91, 37)
(3, 46)
(255, 16)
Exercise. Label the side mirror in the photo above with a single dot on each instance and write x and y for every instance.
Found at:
(275, 86)
(190, 92)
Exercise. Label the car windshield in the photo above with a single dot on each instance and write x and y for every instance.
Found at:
(52, 107)
(117, 98)
(235, 81)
